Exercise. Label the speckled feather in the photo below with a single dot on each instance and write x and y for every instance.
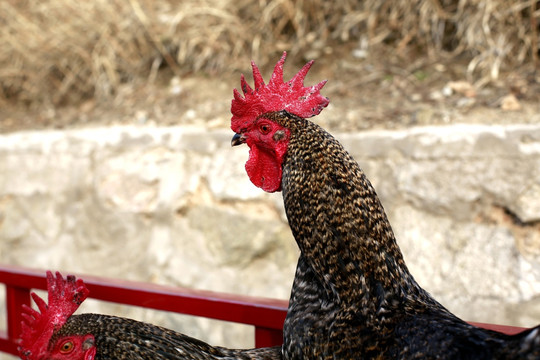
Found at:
(119, 338)
(353, 296)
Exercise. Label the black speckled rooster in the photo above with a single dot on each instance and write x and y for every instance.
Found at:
(353, 296)
(54, 333)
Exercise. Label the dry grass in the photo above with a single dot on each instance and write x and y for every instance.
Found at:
(61, 51)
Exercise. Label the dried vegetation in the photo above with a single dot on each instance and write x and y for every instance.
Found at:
(61, 51)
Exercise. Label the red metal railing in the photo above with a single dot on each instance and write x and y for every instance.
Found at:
(266, 315)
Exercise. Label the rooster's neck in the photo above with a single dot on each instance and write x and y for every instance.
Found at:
(340, 224)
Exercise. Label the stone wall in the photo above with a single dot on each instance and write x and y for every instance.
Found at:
(174, 206)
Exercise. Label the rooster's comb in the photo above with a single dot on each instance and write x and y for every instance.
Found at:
(64, 297)
(277, 95)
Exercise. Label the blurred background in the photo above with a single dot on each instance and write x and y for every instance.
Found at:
(115, 156)
(69, 62)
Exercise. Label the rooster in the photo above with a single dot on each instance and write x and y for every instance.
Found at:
(54, 333)
(353, 296)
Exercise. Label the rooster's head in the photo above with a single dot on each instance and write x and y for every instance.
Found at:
(40, 339)
(254, 121)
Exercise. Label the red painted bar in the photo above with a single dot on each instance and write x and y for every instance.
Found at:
(267, 337)
(15, 298)
(6, 345)
(506, 329)
(257, 311)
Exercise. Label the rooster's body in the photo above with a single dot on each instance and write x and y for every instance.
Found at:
(126, 339)
(351, 277)
(53, 333)
(353, 296)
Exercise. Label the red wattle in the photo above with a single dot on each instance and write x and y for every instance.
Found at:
(263, 169)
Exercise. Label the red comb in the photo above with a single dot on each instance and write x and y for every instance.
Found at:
(64, 297)
(291, 96)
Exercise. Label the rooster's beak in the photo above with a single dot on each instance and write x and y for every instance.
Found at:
(238, 139)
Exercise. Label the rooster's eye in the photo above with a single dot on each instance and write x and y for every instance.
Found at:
(264, 128)
(66, 347)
